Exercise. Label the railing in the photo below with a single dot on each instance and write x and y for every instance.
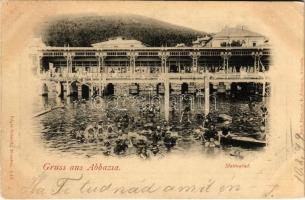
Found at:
(237, 75)
(149, 76)
(171, 52)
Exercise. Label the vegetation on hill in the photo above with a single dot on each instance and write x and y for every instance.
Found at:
(86, 30)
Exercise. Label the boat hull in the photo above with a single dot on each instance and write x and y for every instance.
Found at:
(244, 142)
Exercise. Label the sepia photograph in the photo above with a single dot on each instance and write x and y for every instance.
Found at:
(152, 99)
(128, 85)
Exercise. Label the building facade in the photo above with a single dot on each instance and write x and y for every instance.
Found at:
(238, 36)
(88, 71)
(127, 67)
(119, 42)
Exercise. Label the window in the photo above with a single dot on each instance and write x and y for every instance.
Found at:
(254, 44)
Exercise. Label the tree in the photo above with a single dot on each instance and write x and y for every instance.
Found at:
(84, 31)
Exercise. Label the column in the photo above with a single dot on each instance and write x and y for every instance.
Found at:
(195, 56)
(91, 91)
(194, 64)
(68, 88)
(79, 92)
(163, 57)
(228, 57)
(163, 64)
(260, 54)
(69, 62)
(134, 64)
(257, 56)
(65, 89)
(132, 61)
(224, 63)
(166, 99)
(58, 89)
(255, 62)
(101, 62)
(206, 95)
(225, 56)
(101, 89)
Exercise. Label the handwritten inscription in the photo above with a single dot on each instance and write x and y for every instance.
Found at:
(299, 137)
(299, 160)
(80, 184)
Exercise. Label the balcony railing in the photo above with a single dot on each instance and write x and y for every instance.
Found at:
(86, 76)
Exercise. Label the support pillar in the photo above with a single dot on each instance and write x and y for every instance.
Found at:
(65, 90)
(58, 89)
(91, 90)
(102, 76)
(227, 70)
(68, 100)
(257, 56)
(255, 63)
(132, 61)
(225, 56)
(68, 89)
(69, 62)
(163, 55)
(58, 101)
(194, 64)
(206, 95)
(224, 64)
(166, 99)
(101, 89)
(100, 85)
(100, 65)
(163, 63)
(195, 56)
(79, 92)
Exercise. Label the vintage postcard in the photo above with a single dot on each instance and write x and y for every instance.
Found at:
(152, 99)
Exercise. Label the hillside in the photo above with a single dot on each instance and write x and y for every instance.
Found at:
(83, 31)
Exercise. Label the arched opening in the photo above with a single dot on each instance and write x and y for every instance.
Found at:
(85, 92)
(134, 89)
(109, 89)
(160, 88)
(173, 69)
(241, 91)
(74, 89)
(184, 88)
(61, 95)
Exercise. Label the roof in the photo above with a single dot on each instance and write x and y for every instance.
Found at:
(119, 42)
(202, 39)
(239, 31)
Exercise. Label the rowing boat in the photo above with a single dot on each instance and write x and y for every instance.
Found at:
(242, 141)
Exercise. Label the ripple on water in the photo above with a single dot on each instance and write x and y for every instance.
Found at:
(55, 128)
